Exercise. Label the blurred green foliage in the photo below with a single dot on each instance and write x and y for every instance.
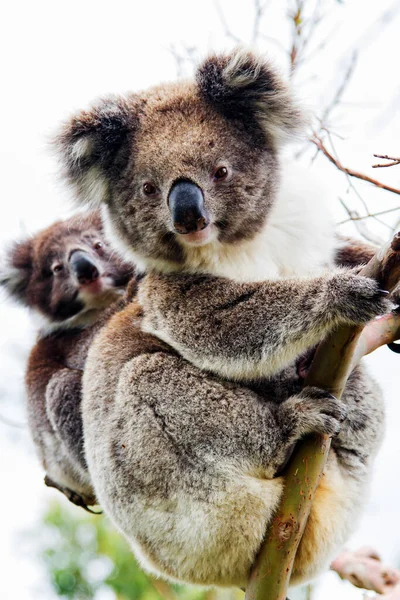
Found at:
(85, 558)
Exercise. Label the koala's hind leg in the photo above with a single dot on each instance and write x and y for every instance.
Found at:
(63, 401)
(77, 499)
(174, 465)
(362, 431)
(184, 462)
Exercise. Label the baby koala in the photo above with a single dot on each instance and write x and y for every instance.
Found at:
(68, 275)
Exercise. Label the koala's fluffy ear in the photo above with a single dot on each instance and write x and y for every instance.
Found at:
(16, 270)
(92, 147)
(244, 86)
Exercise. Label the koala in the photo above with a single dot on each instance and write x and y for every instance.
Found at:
(192, 394)
(69, 277)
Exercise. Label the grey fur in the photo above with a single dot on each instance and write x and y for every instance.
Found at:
(185, 462)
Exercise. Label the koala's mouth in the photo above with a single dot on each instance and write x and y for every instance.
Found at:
(198, 238)
(104, 284)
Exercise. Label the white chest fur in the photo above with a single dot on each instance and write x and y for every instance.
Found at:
(298, 238)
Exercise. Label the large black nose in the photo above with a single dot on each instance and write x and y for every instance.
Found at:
(186, 203)
(83, 267)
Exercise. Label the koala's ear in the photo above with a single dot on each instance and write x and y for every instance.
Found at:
(242, 85)
(16, 270)
(93, 145)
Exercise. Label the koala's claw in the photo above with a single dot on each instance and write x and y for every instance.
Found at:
(317, 411)
(358, 299)
(73, 496)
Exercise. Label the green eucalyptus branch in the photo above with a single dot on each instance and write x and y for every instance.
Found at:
(334, 360)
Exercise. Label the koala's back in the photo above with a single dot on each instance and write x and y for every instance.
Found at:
(179, 460)
(53, 383)
(54, 392)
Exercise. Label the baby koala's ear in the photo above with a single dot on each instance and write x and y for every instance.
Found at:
(245, 86)
(16, 269)
(94, 144)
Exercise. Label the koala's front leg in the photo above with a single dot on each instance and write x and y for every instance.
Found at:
(244, 331)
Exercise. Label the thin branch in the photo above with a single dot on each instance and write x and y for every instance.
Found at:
(227, 30)
(296, 18)
(259, 11)
(396, 227)
(356, 217)
(309, 27)
(11, 423)
(361, 227)
(271, 39)
(351, 172)
(341, 89)
(188, 54)
(392, 163)
(322, 45)
(309, 591)
(164, 589)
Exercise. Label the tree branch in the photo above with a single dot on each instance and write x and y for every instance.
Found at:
(351, 172)
(365, 570)
(332, 364)
(392, 161)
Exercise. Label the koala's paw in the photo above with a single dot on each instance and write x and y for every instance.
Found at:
(395, 298)
(314, 410)
(356, 299)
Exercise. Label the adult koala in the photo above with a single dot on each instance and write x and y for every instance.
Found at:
(240, 285)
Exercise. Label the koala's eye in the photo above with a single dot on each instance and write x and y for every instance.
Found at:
(149, 189)
(221, 173)
(98, 246)
(57, 268)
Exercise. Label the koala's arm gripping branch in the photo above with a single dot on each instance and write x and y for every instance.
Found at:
(244, 330)
(333, 362)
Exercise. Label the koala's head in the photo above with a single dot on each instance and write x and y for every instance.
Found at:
(65, 272)
(187, 165)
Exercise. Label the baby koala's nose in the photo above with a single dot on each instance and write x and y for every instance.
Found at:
(83, 267)
(186, 204)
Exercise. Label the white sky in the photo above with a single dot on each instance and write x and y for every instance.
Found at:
(57, 57)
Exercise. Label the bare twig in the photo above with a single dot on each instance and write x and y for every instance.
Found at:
(392, 161)
(351, 172)
(227, 30)
(303, 30)
(296, 17)
(354, 216)
(11, 423)
(188, 54)
(361, 227)
(341, 89)
(259, 10)
(164, 589)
